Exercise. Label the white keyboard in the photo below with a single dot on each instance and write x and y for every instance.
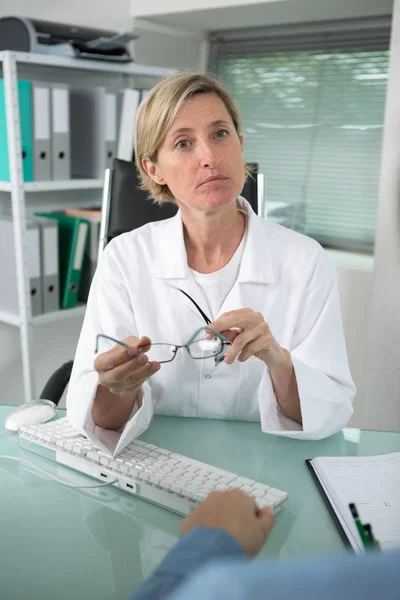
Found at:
(154, 474)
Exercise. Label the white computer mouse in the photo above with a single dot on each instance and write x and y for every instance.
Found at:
(31, 413)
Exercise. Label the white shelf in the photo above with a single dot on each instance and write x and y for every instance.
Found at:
(53, 317)
(60, 315)
(10, 318)
(67, 184)
(56, 186)
(22, 194)
(89, 65)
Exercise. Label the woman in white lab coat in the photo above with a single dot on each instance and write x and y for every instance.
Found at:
(269, 291)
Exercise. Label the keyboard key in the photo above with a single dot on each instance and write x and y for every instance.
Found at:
(93, 455)
(246, 488)
(274, 492)
(245, 481)
(261, 486)
(199, 497)
(163, 451)
(263, 502)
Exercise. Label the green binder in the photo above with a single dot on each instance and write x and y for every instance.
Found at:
(72, 235)
(25, 115)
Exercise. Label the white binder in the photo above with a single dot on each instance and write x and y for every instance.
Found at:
(88, 136)
(130, 103)
(50, 281)
(111, 128)
(60, 133)
(144, 94)
(41, 131)
(8, 271)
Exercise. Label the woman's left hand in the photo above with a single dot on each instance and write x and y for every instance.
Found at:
(250, 336)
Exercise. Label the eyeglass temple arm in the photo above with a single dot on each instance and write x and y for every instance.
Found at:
(107, 337)
(203, 314)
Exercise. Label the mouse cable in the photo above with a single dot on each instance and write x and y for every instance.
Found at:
(72, 485)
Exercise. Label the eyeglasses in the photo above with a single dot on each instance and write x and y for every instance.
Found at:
(204, 343)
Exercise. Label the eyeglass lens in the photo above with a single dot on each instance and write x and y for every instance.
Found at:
(204, 347)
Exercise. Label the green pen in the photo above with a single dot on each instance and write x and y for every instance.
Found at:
(363, 535)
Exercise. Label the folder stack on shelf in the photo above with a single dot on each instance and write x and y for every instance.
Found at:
(45, 136)
(72, 232)
(70, 132)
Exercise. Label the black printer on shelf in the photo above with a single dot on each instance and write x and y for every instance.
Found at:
(44, 37)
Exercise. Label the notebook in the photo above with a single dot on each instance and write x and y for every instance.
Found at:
(372, 483)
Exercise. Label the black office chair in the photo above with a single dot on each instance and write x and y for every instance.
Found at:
(126, 207)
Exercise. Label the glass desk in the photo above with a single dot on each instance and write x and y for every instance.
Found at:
(57, 542)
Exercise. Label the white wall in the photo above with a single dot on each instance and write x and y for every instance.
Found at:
(355, 285)
(102, 13)
(174, 6)
(167, 48)
(382, 397)
(230, 14)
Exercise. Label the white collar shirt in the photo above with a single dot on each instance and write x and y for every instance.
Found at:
(284, 275)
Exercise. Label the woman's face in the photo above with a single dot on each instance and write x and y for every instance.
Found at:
(201, 158)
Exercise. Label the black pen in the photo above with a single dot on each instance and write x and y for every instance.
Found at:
(370, 535)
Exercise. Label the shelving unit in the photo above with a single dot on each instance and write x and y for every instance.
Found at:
(26, 197)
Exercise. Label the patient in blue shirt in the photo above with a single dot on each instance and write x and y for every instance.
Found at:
(211, 562)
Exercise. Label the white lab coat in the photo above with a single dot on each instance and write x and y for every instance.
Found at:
(284, 275)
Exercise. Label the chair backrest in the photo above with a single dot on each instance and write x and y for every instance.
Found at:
(126, 206)
(253, 189)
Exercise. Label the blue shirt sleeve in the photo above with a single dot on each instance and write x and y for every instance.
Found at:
(194, 550)
(372, 577)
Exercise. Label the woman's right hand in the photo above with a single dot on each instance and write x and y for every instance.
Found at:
(125, 369)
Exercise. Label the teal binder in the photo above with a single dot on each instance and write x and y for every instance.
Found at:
(25, 115)
(72, 236)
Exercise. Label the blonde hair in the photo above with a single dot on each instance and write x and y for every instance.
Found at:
(157, 113)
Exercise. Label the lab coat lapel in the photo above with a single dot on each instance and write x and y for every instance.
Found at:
(171, 266)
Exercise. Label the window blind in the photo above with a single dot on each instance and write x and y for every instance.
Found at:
(312, 100)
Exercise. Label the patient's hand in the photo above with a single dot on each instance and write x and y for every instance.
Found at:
(236, 513)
